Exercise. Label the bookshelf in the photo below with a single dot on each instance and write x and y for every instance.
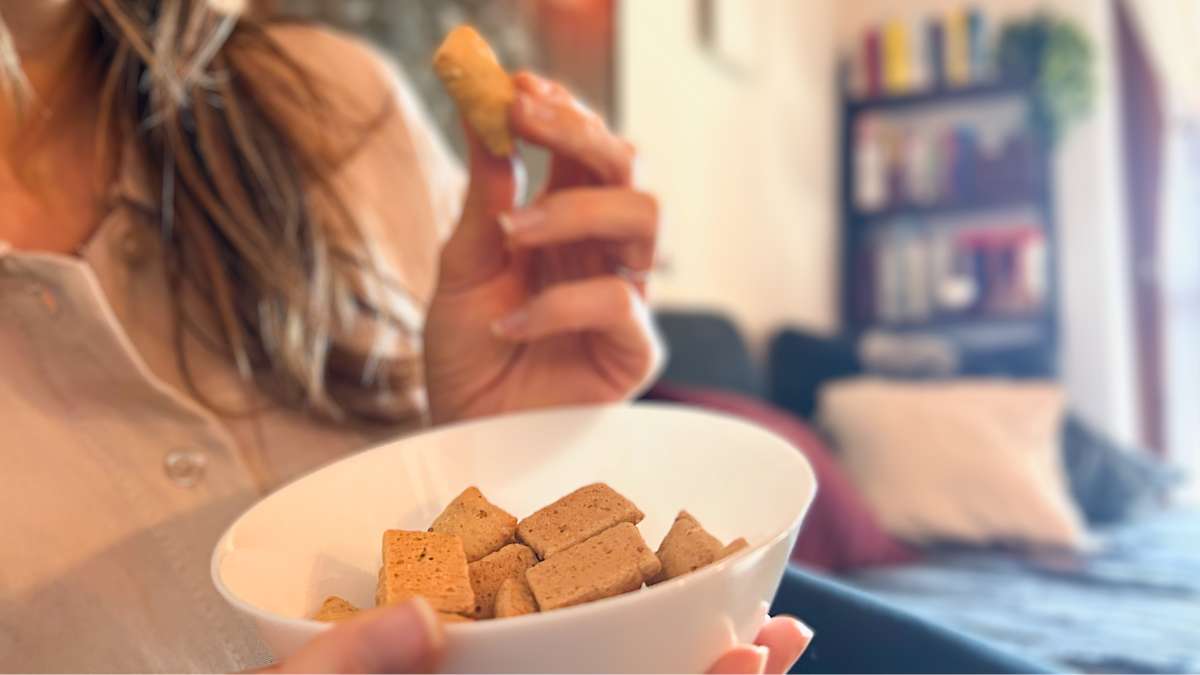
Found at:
(955, 239)
(972, 93)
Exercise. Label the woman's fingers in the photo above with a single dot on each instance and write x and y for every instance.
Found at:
(619, 216)
(545, 114)
(607, 306)
(475, 250)
(786, 639)
(741, 660)
(406, 638)
(778, 646)
(584, 213)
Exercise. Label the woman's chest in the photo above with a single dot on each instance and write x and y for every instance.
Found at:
(109, 500)
(115, 484)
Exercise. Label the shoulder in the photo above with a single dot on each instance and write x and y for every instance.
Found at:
(333, 56)
(365, 78)
(349, 67)
(404, 178)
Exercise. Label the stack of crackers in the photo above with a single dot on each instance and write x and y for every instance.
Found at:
(478, 562)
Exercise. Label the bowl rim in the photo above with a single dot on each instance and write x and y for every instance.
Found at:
(676, 585)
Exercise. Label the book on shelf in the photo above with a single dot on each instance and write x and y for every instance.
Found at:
(924, 52)
(917, 273)
(872, 57)
(920, 77)
(957, 51)
(935, 53)
(897, 69)
(978, 56)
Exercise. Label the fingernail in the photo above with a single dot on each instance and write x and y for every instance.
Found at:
(539, 85)
(512, 324)
(522, 220)
(403, 638)
(804, 628)
(763, 655)
(534, 109)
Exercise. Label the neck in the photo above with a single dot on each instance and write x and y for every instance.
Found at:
(48, 38)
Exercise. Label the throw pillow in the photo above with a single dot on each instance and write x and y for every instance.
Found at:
(1110, 483)
(839, 532)
(973, 461)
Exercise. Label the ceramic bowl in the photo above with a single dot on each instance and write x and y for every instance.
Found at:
(320, 535)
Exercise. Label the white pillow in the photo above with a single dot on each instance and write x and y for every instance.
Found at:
(976, 461)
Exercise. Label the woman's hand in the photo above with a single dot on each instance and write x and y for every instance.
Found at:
(544, 305)
(405, 638)
(780, 643)
(408, 638)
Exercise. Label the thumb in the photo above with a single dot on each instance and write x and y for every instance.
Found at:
(405, 638)
(476, 249)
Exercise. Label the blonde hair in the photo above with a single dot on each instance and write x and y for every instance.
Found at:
(13, 85)
(248, 213)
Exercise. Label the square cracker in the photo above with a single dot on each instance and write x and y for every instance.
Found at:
(488, 573)
(583, 514)
(514, 598)
(613, 562)
(686, 548)
(429, 564)
(484, 527)
(447, 617)
(732, 547)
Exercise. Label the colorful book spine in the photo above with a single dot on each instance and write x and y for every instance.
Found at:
(889, 284)
(917, 293)
(935, 53)
(870, 181)
(872, 57)
(958, 60)
(919, 75)
(897, 71)
(977, 46)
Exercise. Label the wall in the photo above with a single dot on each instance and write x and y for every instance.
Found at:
(744, 157)
(1098, 343)
(746, 167)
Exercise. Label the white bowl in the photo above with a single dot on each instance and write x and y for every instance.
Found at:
(321, 535)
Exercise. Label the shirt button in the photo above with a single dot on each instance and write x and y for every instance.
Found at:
(185, 468)
(47, 298)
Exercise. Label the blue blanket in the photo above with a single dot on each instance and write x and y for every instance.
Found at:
(1132, 607)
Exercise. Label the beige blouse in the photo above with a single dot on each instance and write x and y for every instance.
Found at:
(115, 483)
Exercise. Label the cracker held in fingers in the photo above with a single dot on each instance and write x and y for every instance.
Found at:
(429, 564)
(335, 609)
(575, 518)
(479, 86)
(490, 572)
(484, 527)
(613, 562)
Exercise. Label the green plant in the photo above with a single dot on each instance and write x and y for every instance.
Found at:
(1056, 56)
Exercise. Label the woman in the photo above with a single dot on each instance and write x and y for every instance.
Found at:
(219, 240)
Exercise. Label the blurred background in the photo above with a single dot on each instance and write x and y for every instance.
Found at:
(892, 228)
